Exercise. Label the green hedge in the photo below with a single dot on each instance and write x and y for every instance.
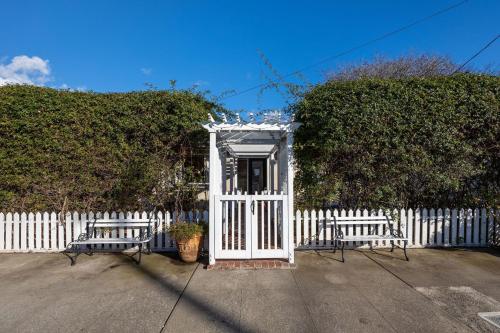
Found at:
(411, 142)
(99, 151)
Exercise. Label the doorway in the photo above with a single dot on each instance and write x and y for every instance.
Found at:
(252, 175)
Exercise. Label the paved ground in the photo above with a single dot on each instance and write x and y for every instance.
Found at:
(437, 291)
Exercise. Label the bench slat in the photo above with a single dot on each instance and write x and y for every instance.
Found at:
(352, 222)
(120, 220)
(111, 241)
(369, 238)
(119, 224)
(362, 218)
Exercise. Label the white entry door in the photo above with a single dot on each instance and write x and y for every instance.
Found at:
(251, 226)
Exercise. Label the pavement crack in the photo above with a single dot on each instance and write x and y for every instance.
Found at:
(179, 298)
(305, 303)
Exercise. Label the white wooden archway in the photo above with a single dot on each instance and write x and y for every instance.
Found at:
(251, 190)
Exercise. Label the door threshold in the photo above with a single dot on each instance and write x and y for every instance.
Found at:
(251, 264)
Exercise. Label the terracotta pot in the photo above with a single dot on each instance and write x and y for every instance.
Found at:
(189, 249)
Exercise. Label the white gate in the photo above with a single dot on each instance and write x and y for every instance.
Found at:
(251, 226)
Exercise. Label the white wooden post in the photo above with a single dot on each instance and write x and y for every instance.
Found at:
(290, 178)
(214, 189)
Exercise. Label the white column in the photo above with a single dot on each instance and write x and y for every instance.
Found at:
(214, 189)
(290, 177)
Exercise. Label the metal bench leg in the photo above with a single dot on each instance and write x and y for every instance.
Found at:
(404, 249)
(140, 254)
(76, 250)
(343, 251)
(334, 246)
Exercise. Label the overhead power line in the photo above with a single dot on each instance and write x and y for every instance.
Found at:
(477, 53)
(354, 48)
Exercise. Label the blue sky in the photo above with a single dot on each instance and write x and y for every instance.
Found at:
(121, 45)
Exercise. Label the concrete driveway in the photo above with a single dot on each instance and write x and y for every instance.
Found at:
(437, 291)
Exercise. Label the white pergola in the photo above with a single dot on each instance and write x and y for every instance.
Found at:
(251, 190)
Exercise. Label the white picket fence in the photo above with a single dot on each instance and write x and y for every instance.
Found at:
(43, 232)
(423, 227)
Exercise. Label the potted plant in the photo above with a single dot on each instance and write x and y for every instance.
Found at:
(189, 239)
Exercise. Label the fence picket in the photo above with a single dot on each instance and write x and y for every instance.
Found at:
(439, 227)
(483, 228)
(38, 231)
(2, 231)
(425, 221)
(417, 228)
(468, 227)
(8, 232)
(350, 230)
(491, 234)
(53, 233)
(365, 228)
(328, 228)
(15, 232)
(461, 227)
(475, 229)
(321, 228)
(432, 227)
(314, 232)
(306, 228)
(446, 227)
(45, 231)
(168, 240)
(409, 227)
(24, 232)
(298, 228)
(60, 231)
(454, 227)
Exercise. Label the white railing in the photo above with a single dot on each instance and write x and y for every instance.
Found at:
(43, 232)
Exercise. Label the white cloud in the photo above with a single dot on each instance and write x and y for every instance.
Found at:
(146, 71)
(25, 70)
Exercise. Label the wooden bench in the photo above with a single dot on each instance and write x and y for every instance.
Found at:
(94, 236)
(391, 234)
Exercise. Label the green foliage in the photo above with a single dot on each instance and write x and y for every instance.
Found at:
(185, 230)
(95, 150)
(408, 142)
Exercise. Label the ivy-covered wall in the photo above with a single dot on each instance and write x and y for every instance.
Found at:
(409, 142)
(84, 150)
